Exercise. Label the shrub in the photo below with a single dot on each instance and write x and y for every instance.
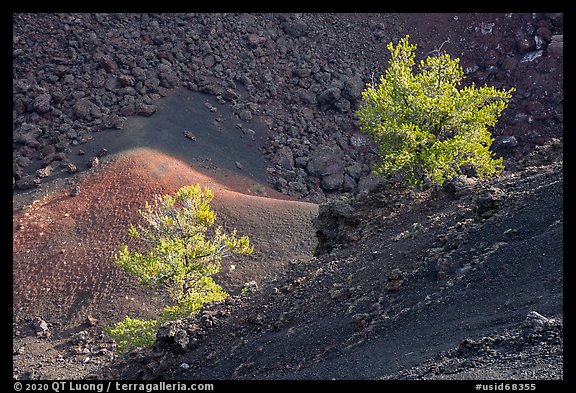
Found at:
(427, 128)
(182, 252)
(131, 333)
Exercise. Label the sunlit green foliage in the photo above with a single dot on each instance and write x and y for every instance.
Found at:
(133, 332)
(182, 253)
(428, 128)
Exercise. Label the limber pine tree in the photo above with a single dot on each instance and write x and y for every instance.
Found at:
(182, 253)
(427, 128)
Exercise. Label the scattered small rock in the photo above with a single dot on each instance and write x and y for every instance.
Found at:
(126, 80)
(91, 320)
(210, 107)
(190, 135)
(249, 132)
(361, 321)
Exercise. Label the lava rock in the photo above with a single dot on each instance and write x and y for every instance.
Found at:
(295, 28)
(27, 182)
(94, 162)
(284, 157)
(556, 47)
(488, 202)
(86, 109)
(326, 160)
(504, 145)
(329, 96)
(42, 103)
(172, 336)
(332, 182)
(353, 88)
(40, 326)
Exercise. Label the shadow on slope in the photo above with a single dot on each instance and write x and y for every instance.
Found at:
(418, 275)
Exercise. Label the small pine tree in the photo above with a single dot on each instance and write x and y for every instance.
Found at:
(183, 253)
(425, 126)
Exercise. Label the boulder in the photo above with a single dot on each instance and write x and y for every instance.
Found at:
(295, 28)
(329, 96)
(302, 72)
(172, 335)
(354, 170)
(544, 32)
(535, 321)
(71, 168)
(75, 191)
(504, 145)
(395, 279)
(255, 40)
(361, 322)
(19, 106)
(94, 162)
(42, 103)
(86, 109)
(488, 202)
(44, 172)
(325, 161)
(190, 135)
(342, 105)
(336, 223)
(209, 61)
(301, 162)
(26, 131)
(126, 80)
(245, 115)
(556, 47)
(40, 327)
(308, 97)
(348, 184)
